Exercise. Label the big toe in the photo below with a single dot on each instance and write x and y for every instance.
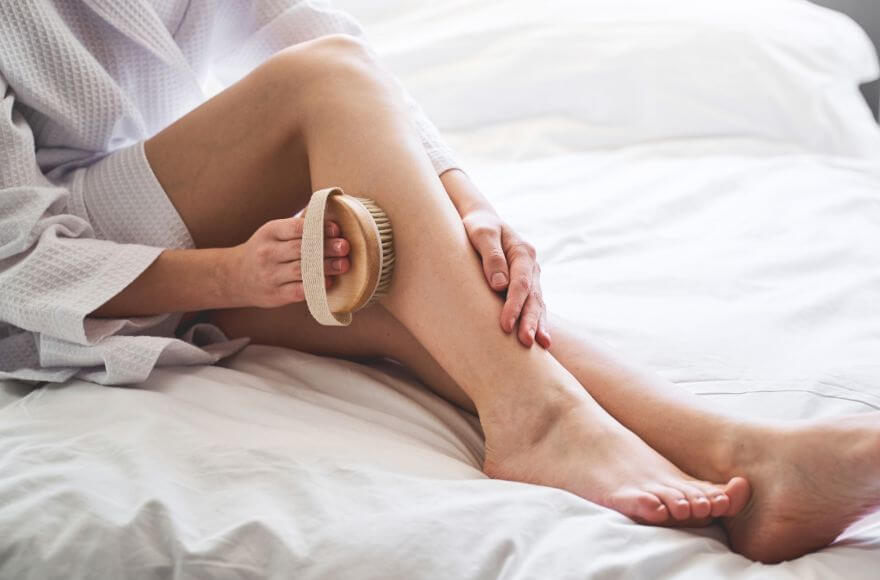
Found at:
(738, 492)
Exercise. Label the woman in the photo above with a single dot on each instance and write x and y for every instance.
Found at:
(115, 237)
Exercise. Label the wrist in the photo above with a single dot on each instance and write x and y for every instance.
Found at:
(225, 270)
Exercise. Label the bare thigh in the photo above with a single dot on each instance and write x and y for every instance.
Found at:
(228, 168)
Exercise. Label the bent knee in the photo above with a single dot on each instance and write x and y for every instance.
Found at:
(318, 79)
(339, 46)
(325, 62)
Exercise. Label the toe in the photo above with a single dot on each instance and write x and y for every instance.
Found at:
(650, 509)
(738, 491)
(718, 501)
(641, 506)
(676, 502)
(720, 504)
(699, 503)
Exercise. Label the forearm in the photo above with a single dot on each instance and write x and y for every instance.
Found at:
(464, 194)
(191, 280)
(178, 281)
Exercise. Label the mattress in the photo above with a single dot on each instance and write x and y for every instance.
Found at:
(743, 265)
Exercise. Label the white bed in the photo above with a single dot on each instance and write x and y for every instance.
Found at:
(703, 187)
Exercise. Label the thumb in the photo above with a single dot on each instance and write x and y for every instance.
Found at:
(494, 262)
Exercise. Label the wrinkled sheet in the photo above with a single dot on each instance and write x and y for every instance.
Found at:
(743, 269)
(752, 281)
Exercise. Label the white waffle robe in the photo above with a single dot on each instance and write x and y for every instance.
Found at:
(83, 83)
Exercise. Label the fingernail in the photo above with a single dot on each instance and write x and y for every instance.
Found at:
(499, 279)
(511, 323)
(532, 333)
(338, 246)
(337, 265)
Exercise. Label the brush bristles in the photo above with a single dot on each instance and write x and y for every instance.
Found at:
(387, 240)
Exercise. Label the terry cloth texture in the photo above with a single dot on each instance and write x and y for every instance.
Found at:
(82, 85)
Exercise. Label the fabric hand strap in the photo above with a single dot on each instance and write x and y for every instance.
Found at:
(313, 261)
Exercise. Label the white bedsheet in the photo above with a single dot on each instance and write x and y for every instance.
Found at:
(291, 466)
(746, 270)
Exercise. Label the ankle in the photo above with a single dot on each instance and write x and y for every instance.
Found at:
(737, 448)
(522, 422)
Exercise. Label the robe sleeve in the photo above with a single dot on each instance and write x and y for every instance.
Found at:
(248, 33)
(55, 270)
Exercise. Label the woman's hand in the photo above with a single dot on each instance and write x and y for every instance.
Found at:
(509, 262)
(265, 271)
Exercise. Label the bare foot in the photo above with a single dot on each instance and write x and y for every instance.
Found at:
(811, 481)
(586, 452)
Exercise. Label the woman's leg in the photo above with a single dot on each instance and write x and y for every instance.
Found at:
(810, 480)
(241, 160)
(373, 334)
(326, 110)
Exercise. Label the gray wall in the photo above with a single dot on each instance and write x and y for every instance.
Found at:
(866, 13)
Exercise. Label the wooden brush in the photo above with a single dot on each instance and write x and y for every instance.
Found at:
(368, 231)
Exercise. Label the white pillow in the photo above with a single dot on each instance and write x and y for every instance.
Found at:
(604, 73)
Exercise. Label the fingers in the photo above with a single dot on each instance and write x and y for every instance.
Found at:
(509, 263)
(543, 333)
(279, 253)
(292, 271)
(531, 317)
(292, 229)
(294, 291)
(487, 241)
(522, 267)
(337, 247)
(484, 231)
(282, 252)
(271, 261)
(335, 266)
